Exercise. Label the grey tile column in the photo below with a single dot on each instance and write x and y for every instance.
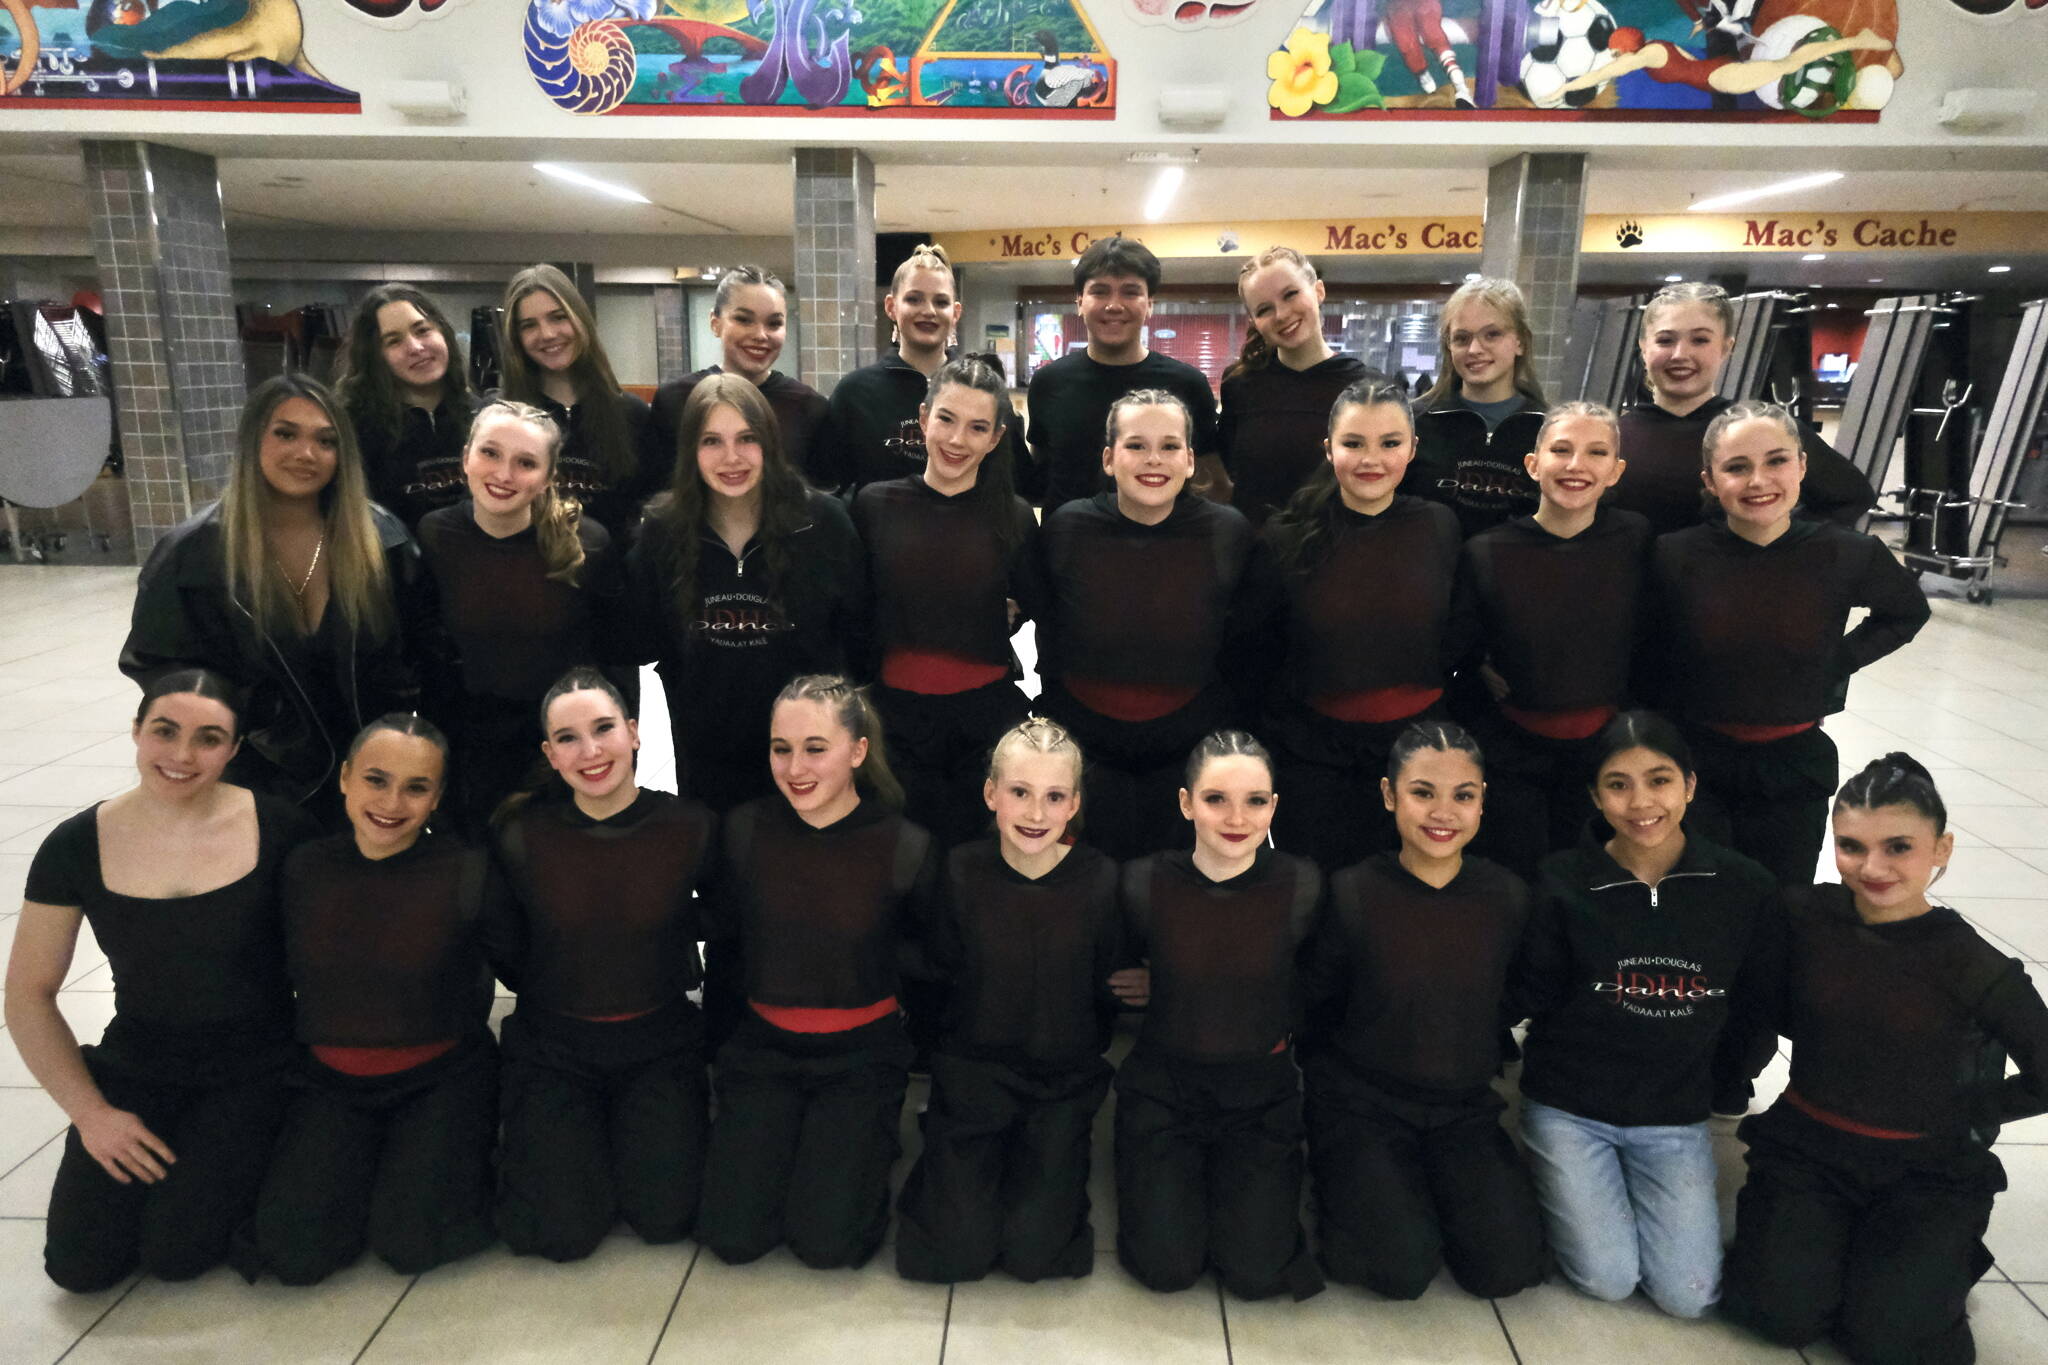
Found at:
(162, 245)
(1535, 213)
(671, 333)
(835, 262)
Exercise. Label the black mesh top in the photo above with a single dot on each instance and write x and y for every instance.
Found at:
(939, 575)
(1271, 430)
(1068, 403)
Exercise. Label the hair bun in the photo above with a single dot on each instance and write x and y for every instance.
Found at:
(1904, 762)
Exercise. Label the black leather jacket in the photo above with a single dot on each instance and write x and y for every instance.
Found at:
(292, 744)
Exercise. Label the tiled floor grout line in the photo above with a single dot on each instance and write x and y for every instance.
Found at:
(385, 1319)
(1506, 1335)
(38, 1151)
(945, 1324)
(688, 1270)
(98, 1320)
(1223, 1312)
(2032, 1302)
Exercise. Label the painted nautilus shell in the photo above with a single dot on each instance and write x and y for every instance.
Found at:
(590, 71)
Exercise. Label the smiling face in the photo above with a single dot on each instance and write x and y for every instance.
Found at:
(1684, 348)
(1114, 309)
(547, 331)
(1483, 345)
(300, 449)
(1757, 470)
(729, 456)
(1577, 460)
(1369, 447)
(751, 331)
(1888, 856)
(507, 464)
(1284, 304)
(813, 757)
(389, 789)
(1436, 802)
(183, 744)
(1151, 460)
(959, 431)
(924, 308)
(590, 742)
(1231, 805)
(1034, 796)
(412, 345)
(1643, 795)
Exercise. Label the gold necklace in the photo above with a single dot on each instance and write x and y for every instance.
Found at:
(299, 588)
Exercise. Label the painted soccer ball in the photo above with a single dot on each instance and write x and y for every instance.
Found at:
(1567, 39)
(1818, 87)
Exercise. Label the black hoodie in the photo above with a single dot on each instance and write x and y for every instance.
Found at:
(1272, 428)
(1662, 480)
(1475, 471)
(799, 418)
(871, 430)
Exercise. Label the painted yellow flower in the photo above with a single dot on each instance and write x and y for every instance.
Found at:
(1301, 73)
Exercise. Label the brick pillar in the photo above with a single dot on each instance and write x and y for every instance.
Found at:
(671, 333)
(162, 247)
(1535, 213)
(835, 262)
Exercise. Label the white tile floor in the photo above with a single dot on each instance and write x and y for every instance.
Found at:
(1970, 697)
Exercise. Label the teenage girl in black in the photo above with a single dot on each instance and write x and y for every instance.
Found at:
(1029, 935)
(520, 587)
(408, 397)
(750, 319)
(1688, 333)
(826, 887)
(1208, 1117)
(1871, 1179)
(740, 579)
(1481, 417)
(1145, 601)
(953, 566)
(1413, 1170)
(1357, 579)
(394, 1110)
(174, 1110)
(1559, 600)
(1277, 395)
(1756, 652)
(611, 460)
(604, 1089)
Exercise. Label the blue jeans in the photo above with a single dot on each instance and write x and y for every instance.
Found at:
(1628, 1206)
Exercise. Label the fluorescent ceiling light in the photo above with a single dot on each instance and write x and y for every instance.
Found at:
(591, 182)
(1163, 189)
(2000, 269)
(1471, 276)
(1723, 201)
(1673, 279)
(1814, 256)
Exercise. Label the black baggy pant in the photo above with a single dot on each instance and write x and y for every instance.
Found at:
(1208, 1174)
(939, 748)
(1327, 773)
(1875, 1241)
(1538, 794)
(1003, 1179)
(400, 1164)
(1766, 801)
(217, 1105)
(1135, 768)
(602, 1121)
(1406, 1185)
(807, 1129)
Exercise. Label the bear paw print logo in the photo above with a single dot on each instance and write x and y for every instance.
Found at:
(1630, 233)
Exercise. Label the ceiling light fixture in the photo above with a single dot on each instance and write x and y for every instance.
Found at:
(1164, 187)
(591, 183)
(1814, 256)
(1722, 201)
(2000, 269)
(1673, 279)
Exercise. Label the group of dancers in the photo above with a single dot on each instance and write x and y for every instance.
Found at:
(387, 751)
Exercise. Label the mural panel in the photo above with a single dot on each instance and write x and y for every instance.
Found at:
(163, 54)
(985, 58)
(1642, 59)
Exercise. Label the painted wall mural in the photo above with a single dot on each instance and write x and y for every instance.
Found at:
(1185, 15)
(244, 55)
(986, 58)
(399, 13)
(1644, 59)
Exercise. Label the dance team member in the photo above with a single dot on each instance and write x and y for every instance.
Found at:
(174, 1110)
(827, 886)
(394, 1111)
(604, 1089)
(1647, 974)
(740, 579)
(1116, 282)
(1484, 413)
(952, 563)
(1412, 1168)
(1559, 597)
(290, 587)
(1277, 394)
(407, 394)
(1357, 580)
(1871, 1179)
(1208, 1116)
(1754, 614)
(1688, 333)
(1145, 603)
(750, 319)
(521, 587)
(610, 461)
(1029, 933)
